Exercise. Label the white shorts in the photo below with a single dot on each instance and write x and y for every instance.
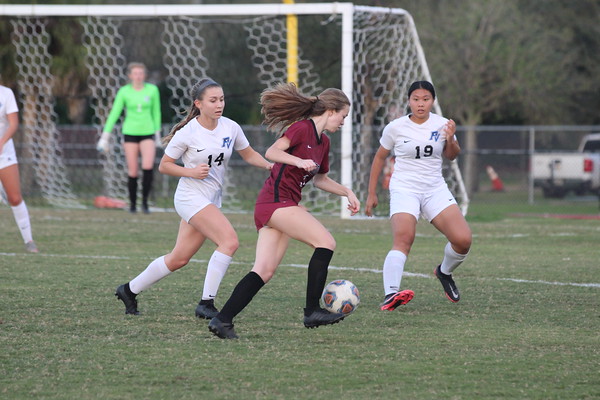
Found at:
(428, 205)
(189, 205)
(8, 156)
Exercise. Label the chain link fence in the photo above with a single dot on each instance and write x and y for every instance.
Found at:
(506, 149)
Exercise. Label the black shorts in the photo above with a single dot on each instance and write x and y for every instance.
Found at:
(136, 138)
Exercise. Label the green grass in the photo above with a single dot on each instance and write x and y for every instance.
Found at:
(64, 335)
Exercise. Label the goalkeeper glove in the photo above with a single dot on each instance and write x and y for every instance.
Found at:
(158, 140)
(103, 143)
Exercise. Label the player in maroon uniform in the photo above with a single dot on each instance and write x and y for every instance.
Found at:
(300, 154)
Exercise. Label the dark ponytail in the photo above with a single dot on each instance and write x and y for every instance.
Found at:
(196, 93)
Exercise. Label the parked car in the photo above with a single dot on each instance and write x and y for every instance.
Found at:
(561, 172)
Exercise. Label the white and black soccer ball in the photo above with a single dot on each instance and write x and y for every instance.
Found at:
(340, 296)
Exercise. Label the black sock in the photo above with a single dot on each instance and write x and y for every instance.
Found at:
(317, 276)
(128, 290)
(241, 296)
(132, 187)
(147, 178)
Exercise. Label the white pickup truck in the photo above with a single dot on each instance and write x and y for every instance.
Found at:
(559, 173)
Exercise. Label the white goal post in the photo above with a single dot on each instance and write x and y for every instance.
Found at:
(379, 56)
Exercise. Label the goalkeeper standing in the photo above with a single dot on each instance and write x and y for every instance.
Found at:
(420, 140)
(141, 130)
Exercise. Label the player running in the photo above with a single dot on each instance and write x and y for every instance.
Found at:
(9, 168)
(204, 141)
(417, 187)
(300, 154)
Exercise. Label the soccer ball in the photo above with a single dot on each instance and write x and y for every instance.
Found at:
(340, 296)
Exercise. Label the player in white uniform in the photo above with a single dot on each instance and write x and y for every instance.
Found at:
(204, 141)
(9, 169)
(417, 188)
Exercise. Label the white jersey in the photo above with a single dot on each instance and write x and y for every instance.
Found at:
(418, 150)
(196, 145)
(8, 105)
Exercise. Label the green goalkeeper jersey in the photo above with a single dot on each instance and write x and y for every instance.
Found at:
(142, 110)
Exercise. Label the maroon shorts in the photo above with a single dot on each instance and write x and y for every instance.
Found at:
(264, 211)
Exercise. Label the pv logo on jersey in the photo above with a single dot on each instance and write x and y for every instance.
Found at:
(226, 142)
(435, 135)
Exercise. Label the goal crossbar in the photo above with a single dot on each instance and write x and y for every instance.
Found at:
(155, 10)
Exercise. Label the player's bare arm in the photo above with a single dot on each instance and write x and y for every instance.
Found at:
(277, 153)
(168, 166)
(252, 157)
(324, 182)
(451, 148)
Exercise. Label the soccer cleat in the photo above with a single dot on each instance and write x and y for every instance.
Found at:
(394, 300)
(222, 329)
(145, 209)
(448, 284)
(322, 317)
(206, 309)
(129, 301)
(31, 247)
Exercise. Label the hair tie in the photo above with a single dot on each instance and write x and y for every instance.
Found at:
(316, 98)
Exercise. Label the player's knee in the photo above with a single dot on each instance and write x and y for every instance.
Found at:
(462, 244)
(230, 246)
(265, 273)
(327, 243)
(14, 199)
(403, 243)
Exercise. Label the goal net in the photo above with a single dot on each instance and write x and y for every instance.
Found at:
(371, 53)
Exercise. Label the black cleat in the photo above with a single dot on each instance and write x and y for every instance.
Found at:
(322, 317)
(448, 284)
(222, 329)
(130, 301)
(206, 309)
(145, 209)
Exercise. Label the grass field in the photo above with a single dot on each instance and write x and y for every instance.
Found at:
(527, 326)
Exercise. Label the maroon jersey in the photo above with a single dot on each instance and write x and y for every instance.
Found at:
(286, 181)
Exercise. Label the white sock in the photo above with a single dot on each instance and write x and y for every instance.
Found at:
(217, 266)
(22, 219)
(393, 267)
(451, 260)
(153, 273)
